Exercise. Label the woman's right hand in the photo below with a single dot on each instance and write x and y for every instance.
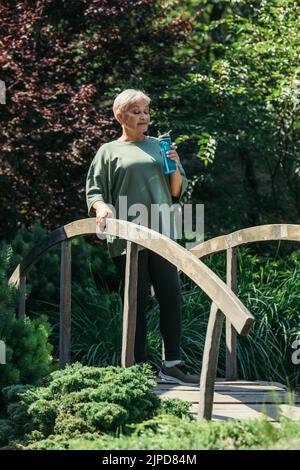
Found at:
(102, 212)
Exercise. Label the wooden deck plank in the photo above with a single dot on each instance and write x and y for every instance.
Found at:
(237, 399)
(222, 388)
(256, 411)
(236, 383)
(232, 397)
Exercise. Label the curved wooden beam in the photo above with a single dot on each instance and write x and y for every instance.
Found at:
(186, 261)
(248, 235)
(35, 253)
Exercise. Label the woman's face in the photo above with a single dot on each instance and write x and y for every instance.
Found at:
(137, 117)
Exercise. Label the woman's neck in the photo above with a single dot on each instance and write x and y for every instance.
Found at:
(133, 138)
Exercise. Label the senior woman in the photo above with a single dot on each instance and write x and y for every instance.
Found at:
(131, 167)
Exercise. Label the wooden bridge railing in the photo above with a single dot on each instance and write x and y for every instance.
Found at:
(224, 301)
(230, 243)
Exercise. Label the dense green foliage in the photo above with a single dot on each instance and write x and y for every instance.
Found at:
(81, 399)
(245, 98)
(114, 408)
(28, 353)
(63, 71)
(223, 75)
(167, 432)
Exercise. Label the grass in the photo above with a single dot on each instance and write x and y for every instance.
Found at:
(165, 432)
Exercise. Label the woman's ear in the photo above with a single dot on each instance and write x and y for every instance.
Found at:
(119, 117)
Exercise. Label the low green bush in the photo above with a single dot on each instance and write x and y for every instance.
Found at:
(84, 407)
(81, 399)
(167, 432)
(28, 352)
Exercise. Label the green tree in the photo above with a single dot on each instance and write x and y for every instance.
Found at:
(240, 110)
(61, 72)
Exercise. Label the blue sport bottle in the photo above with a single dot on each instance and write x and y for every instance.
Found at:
(169, 166)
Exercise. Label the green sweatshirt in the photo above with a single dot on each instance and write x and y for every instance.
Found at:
(135, 170)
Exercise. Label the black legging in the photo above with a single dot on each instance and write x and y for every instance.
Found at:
(164, 278)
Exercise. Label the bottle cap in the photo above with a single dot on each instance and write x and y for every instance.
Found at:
(164, 136)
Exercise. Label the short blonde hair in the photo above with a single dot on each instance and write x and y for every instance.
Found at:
(128, 97)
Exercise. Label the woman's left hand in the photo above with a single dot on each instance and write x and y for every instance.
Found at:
(173, 155)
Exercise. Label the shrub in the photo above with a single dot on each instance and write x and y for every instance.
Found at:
(82, 399)
(28, 354)
(167, 432)
(175, 407)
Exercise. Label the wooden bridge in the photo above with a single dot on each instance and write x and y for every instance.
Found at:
(239, 399)
(230, 398)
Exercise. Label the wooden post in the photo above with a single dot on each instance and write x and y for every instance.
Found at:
(130, 301)
(231, 335)
(65, 304)
(210, 362)
(22, 297)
